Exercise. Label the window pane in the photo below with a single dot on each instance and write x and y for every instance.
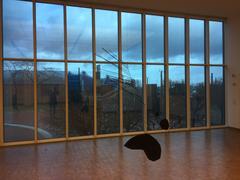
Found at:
(106, 35)
(177, 95)
(197, 95)
(217, 96)
(80, 99)
(18, 101)
(155, 96)
(176, 40)
(107, 99)
(79, 32)
(131, 37)
(154, 38)
(132, 98)
(216, 42)
(51, 100)
(17, 29)
(196, 41)
(50, 34)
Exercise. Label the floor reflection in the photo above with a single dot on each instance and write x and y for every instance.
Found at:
(209, 154)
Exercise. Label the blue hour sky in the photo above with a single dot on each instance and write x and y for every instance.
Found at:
(18, 35)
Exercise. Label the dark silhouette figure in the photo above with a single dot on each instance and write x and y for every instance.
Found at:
(85, 107)
(14, 101)
(53, 102)
(147, 143)
(164, 124)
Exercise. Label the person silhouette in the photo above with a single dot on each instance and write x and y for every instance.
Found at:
(53, 103)
(14, 101)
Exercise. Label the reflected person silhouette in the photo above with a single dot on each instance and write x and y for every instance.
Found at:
(53, 102)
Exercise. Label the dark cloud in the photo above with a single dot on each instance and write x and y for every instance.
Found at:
(155, 38)
(79, 23)
(17, 29)
(18, 41)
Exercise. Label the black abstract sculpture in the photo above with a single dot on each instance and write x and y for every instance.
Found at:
(147, 143)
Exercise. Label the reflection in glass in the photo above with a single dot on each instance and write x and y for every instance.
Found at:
(176, 40)
(132, 98)
(18, 101)
(217, 96)
(196, 31)
(155, 96)
(197, 96)
(106, 35)
(80, 99)
(50, 34)
(107, 99)
(79, 33)
(131, 37)
(51, 100)
(216, 42)
(17, 29)
(154, 38)
(177, 95)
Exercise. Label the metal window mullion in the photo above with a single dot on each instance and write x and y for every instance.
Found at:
(225, 74)
(207, 74)
(120, 72)
(225, 122)
(1, 77)
(144, 72)
(223, 42)
(18, 59)
(166, 67)
(187, 72)
(66, 72)
(94, 73)
(35, 74)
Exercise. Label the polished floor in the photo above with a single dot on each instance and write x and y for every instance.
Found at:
(209, 154)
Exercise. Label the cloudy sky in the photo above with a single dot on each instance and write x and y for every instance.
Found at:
(18, 35)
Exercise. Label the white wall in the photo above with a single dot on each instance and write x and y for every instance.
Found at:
(233, 71)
